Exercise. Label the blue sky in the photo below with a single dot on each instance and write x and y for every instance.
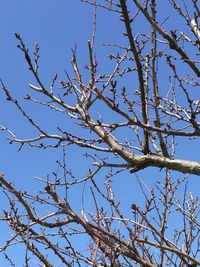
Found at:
(57, 26)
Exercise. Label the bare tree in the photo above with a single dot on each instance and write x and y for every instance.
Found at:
(139, 126)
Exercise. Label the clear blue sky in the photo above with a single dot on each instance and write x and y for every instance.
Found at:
(57, 26)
